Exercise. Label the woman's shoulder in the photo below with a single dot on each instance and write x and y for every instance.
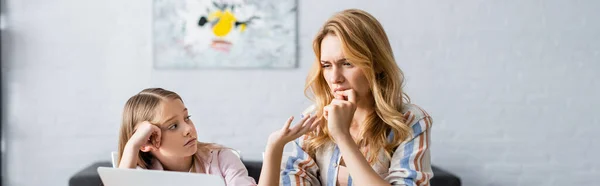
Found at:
(413, 114)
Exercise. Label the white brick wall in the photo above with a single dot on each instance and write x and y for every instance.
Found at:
(511, 85)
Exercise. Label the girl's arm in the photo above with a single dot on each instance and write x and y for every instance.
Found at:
(146, 137)
(233, 170)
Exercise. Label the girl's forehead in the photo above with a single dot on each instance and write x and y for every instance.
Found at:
(169, 110)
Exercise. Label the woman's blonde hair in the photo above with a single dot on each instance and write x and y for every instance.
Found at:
(144, 106)
(366, 46)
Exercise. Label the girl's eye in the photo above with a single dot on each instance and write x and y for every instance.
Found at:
(172, 127)
(187, 118)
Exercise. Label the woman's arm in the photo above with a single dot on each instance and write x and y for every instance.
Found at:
(411, 164)
(270, 172)
(339, 114)
(361, 171)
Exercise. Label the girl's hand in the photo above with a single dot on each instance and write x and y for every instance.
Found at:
(146, 137)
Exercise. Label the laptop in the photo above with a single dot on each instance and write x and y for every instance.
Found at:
(142, 177)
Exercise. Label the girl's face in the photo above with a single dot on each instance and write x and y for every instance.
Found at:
(178, 133)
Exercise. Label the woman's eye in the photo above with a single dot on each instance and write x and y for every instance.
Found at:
(347, 64)
(187, 118)
(325, 65)
(174, 126)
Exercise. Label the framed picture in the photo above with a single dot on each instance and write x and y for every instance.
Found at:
(196, 34)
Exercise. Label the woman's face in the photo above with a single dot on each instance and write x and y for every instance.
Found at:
(340, 73)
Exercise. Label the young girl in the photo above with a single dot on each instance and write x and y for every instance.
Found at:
(157, 133)
(370, 134)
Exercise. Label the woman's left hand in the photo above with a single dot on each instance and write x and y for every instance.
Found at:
(339, 113)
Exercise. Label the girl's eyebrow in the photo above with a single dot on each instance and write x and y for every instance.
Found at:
(172, 117)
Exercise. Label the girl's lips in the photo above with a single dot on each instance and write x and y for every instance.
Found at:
(189, 141)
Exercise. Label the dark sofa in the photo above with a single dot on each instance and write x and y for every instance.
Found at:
(89, 175)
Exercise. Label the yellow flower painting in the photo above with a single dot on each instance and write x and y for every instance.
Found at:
(224, 34)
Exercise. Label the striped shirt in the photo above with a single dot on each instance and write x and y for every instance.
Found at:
(409, 165)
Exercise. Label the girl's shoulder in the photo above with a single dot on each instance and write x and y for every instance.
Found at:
(213, 150)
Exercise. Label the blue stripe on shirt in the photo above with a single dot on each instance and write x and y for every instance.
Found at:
(391, 136)
(349, 180)
(408, 151)
(331, 171)
(289, 166)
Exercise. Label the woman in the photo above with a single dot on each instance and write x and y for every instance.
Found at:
(369, 133)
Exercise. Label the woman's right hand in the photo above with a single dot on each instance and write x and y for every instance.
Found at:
(146, 137)
(269, 174)
(286, 134)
